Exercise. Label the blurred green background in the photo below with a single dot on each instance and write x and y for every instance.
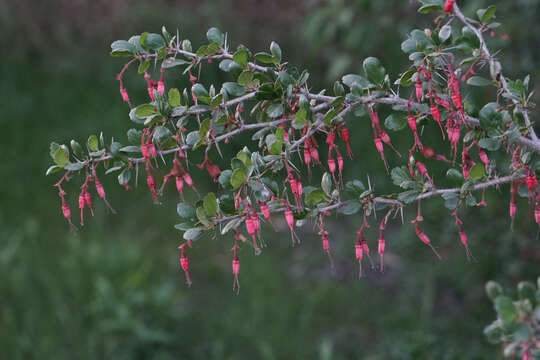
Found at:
(114, 289)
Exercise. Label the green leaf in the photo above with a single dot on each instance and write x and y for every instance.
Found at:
(401, 177)
(74, 166)
(351, 207)
(276, 52)
(355, 187)
(484, 15)
(264, 58)
(172, 62)
(233, 224)
(92, 143)
(135, 118)
(152, 41)
(478, 171)
(339, 90)
(445, 33)
(505, 309)
(145, 110)
(527, 290)
(193, 138)
(241, 57)
(192, 234)
(225, 179)
(408, 46)
(202, 216)
(77, 149)
(245, 77)
(226, 203)
(210, 204)
(174, 97)
(130, 149)
(143, 66)
(522, 332)
(315, 197)
(122, 48)
(493, 289)
(228, 65)
(285, 78)
(491, 144)
(353, 79)
(275, 110)
(490, 116)
(426, 9)
(478, 81)
(153, 119)
(238, 178)
(134, 136)
(179, 111)
(162, 134)
(375, 72)
(234, 89)
(493, 333)
(326, 183)
(52, 169)
(215, 35)
(455, 175)
(408, 196)
(395, 122)
(275, 148)
(422, 40)
(201, 93)
(300, 119)
(450, 200)
(124, 177)
(185, 226)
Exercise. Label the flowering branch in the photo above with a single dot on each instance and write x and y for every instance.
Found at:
(288, 119)
(497, 75)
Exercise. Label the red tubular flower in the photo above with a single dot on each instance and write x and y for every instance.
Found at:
(331, 164)
(532, 183)
(184, 263)
(412, 124)
(513, 202)
(213, 170)
(88, 201)
(424, 238)
(437, 116)
(252, 231)
(124, 93)
(236, 269)
(151, 185)
(289, 217)
(82, 204)
(419, 88)
(345, 137)
(423, 171)
(358, 249)
(161, 84)
(463, 239)
(381, 248)
(448, 5)
(386, 139)
(331, 138)
(483, 157)
(380, 149)
(66, 211)
(101, 191)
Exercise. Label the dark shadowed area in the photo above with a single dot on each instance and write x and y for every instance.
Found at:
(114, 290)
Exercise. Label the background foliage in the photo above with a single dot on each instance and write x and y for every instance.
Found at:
(115, 290)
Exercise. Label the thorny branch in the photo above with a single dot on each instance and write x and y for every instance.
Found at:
(499, 77)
